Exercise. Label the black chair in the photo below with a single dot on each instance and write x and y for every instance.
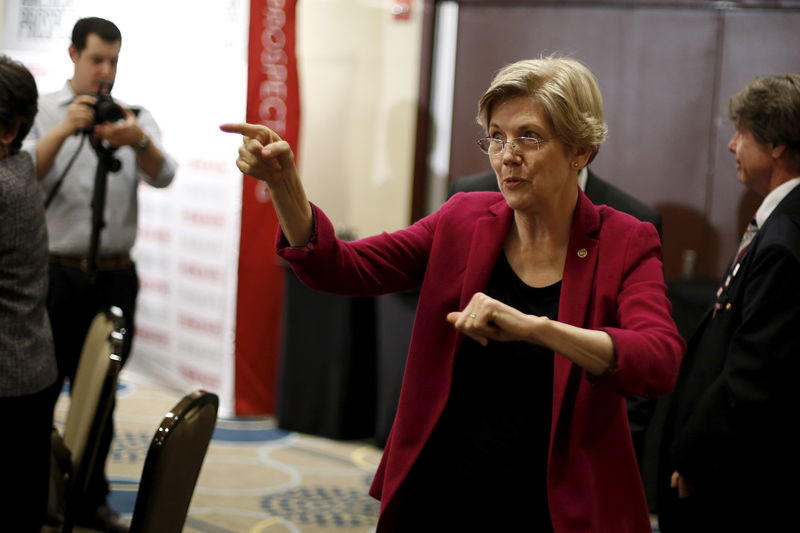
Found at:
(90, 404)
(173, 463)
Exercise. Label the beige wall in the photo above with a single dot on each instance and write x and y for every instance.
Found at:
(358, 81)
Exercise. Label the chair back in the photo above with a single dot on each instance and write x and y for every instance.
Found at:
(173, 463)
(92, 396)
(97, 371)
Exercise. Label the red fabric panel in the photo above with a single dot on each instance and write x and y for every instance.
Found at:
(273, 100)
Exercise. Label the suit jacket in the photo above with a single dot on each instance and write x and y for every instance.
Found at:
(730, 429)
(597, 189)
(612, 281)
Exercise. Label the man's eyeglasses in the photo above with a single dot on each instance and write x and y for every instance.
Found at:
(495, 147)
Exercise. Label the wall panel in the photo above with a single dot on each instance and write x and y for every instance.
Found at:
(666, 73)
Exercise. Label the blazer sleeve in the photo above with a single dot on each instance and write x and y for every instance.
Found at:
(751, 400)
(387, 262)
(647, 345)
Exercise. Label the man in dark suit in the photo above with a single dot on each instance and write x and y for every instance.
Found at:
(730, 451)
(597, 189)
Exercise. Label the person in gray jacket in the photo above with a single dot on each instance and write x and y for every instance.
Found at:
(27, 363)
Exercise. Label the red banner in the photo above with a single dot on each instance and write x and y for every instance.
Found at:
(273, 99)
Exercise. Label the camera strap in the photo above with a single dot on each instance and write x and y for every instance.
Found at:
(60, 181)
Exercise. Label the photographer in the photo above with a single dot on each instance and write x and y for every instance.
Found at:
(68, 134)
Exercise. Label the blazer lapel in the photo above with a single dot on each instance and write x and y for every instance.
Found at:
(487, 241)
(576, 289)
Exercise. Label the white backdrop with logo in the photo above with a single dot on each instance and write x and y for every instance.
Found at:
(186, 61)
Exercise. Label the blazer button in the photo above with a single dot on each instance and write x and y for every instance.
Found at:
(582, 253)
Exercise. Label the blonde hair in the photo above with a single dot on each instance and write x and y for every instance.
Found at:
(566, 90)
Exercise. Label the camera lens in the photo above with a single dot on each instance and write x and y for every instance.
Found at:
(106, 110)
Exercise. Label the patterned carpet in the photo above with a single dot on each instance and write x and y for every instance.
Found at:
(255, 478)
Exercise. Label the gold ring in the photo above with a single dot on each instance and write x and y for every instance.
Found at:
(472, 315)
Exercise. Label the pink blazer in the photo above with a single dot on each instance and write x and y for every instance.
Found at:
(613, 281)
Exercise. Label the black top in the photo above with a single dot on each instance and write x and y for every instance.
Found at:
(488, 452)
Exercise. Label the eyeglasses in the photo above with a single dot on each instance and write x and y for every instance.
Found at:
(495, 147)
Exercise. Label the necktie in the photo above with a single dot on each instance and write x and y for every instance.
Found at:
(747, 238)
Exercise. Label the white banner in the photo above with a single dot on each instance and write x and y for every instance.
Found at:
(185, 61)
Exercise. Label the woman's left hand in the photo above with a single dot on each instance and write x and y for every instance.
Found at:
(485, 319)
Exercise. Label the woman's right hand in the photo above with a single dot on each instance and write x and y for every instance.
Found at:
(263, 154)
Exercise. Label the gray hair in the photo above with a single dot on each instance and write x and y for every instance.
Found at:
(769, 107)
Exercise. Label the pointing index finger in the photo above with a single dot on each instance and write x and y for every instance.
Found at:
(254, 131)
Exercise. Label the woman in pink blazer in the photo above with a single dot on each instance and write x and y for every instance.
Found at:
(539, 313)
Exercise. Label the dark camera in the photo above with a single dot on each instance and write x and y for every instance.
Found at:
(106, 109)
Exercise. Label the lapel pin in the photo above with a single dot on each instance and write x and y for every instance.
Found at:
(582, 253)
